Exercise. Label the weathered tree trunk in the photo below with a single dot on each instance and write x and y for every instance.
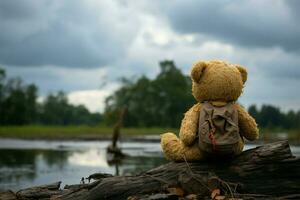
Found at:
(117, 127)
(269, 170)
(113, 148)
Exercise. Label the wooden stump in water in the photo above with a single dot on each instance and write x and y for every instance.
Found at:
(114, 151)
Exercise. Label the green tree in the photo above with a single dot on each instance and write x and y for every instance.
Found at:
(31, 103)
(56, 110)
(272, 117)
(18, 106)
(17, 100)
(157, 102)
(254, 113)
(14, 103)
(2, 85)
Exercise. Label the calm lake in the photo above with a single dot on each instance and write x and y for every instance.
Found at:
(25, 163)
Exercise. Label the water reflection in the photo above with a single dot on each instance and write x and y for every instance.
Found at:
(29, 163)
(92, 157)
(18, 167)
(22, 167)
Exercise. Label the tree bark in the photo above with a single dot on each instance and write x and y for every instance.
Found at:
(269, 169)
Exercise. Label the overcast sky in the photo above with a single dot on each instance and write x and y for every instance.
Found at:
(83, 47)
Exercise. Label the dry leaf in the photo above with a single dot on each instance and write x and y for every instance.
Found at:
(176, 190)
(191, 197)
(132, 198)
(220, 197)
(215, 193)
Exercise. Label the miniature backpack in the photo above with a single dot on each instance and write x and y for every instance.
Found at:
(218, 129)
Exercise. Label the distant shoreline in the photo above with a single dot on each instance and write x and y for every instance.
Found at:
(147, 138)
(91, 133)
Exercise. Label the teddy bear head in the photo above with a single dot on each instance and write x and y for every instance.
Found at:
(217, 81)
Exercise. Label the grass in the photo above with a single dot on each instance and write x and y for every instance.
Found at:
(69, 132)
(91, 132)
(275, 134)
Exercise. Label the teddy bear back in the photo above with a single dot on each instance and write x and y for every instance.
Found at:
(217, 81)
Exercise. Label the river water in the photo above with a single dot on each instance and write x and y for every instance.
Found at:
(26, 163)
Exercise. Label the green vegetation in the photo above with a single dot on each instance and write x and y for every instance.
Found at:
(152, 102)
(73, 132)
(273, 118)
(157, 102)
(267, 134)
(163, 100)
(100, 132)
(19, 106)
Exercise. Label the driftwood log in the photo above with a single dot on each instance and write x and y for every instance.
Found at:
(266, 172)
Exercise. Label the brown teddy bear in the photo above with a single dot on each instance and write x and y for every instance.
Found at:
(219, 83)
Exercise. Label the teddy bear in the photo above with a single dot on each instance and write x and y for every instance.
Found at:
(217, 82)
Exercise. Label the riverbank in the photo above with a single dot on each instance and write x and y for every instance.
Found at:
(104, 133)
(78, 132)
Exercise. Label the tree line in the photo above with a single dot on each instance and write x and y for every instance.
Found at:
(163, 100)
(152, 102)
(157, 102)
(269, 116)
(19, 106)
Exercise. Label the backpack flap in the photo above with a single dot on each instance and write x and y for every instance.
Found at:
(218, 129)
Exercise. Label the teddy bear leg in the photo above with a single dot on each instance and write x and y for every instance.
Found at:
(175, 150)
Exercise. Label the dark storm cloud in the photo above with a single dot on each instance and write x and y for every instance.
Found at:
(52, 79)
(294, 5)
(246, 23)
(58, 40)
(61, 33)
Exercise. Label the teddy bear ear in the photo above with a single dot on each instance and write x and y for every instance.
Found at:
(198, 71)
(243, 72)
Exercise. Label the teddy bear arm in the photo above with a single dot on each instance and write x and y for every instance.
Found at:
(189, 125)
(247, 125)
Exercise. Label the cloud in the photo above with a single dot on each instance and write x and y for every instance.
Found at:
(92, 99)
(76, 34)
(52, 78)
(84, 46)
(252, 23)
(274, 74)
